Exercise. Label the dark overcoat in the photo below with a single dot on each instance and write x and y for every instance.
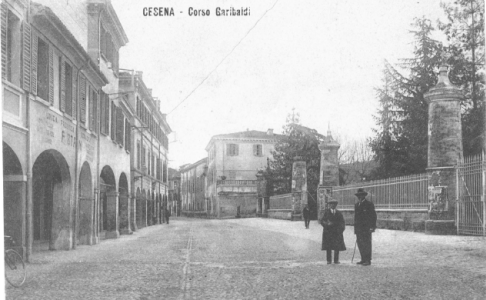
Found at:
(332, 235)
(364, 216)
(306, 213)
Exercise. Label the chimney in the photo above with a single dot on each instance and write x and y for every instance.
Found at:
(139, 74)
(270, 131)
(149, 91)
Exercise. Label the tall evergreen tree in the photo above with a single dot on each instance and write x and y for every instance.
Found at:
(400, 145)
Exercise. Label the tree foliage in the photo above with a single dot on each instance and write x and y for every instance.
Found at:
(296, 141)
(400, 143)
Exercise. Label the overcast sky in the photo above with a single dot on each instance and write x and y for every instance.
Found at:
(322, 58)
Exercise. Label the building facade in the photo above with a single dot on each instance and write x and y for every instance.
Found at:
(233, 162)
(193, 188)
(68, 130)
(149, 153)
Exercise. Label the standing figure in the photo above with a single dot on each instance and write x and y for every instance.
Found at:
(364, 226)
(306, 213)
(167, 215)
(332, 235)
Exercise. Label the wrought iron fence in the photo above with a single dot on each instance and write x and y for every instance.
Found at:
(471, 208)
(406, 192)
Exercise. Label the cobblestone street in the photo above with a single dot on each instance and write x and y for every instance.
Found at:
(257, 259)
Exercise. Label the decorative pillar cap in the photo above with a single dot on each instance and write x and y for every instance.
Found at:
(444, 89)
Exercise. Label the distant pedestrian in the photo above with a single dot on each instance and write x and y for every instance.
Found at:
(306, 213)
(332, 235)
(167, 215)
(364, 226)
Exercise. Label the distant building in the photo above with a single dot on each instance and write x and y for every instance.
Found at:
(193, 187)
(149, 149)
(233, 162)
(174, 198)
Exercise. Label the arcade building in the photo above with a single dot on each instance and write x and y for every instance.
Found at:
(69, 131)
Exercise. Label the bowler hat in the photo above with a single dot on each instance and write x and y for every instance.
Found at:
(332, 201)
(361, 192)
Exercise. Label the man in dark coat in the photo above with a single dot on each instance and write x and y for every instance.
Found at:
(167, 215)
(364, 226)
(332, 235)
(306, 213)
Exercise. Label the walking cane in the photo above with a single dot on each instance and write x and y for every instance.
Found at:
(354, 251)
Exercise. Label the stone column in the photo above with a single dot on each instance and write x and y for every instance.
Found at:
(112, 215)
(444, 152)
(96, 221)
(125, 214)
(133, 214)
(329, 172)
(299, 188)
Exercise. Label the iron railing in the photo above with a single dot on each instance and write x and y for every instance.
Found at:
(406, 192)
(471, 185)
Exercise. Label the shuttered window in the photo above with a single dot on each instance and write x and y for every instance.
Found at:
(82, 99)
(127, 135)
(232, 150)
(113, 121)
(42, 69)
(120, 126)
(94, 110)
(138, 155)
(27, 55)
(257, 150)
(102, 113)
(11, 46)
(68, 89)
(107, 113)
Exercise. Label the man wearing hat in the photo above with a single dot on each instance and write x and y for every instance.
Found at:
(364, 226)
(332, 235)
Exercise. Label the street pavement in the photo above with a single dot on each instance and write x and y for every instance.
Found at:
(257, 259)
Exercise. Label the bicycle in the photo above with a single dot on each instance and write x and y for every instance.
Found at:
(15, 272)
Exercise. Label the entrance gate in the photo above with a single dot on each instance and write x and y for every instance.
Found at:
(471, 208)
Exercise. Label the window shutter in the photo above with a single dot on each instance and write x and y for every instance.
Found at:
(102, 112)
(255, 150)
(82, 99)
(95, 112)
(26, 55)
(113, 121)
(236, 150)
(51, 76)
(119, 126)
(63, 85)
(107, 113)
(91, 109)
(74, 106)
(33, 64)
(4, 25)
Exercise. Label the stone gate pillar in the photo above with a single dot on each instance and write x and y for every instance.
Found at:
(329, 172)
(444, 152)
(261, 192)
(299, 188)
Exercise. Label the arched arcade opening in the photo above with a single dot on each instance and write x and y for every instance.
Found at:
(51, 199)
(14, 195)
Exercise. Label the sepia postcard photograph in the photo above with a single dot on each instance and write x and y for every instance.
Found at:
(243, 149)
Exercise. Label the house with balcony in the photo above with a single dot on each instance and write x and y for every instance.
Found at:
(233, 162)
